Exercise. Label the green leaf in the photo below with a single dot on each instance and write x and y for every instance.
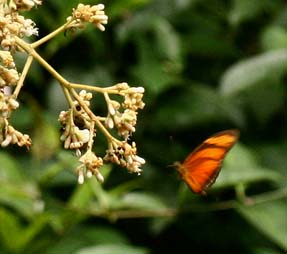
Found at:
(46, 140)
(16, 237)
(22, 197)
(113, 249)
(265, 250)
(265, 100)
(243, 10)
(91, 194)
(141, 201)
(269, 218)
(241, 167)
(16, 192)
(274, 37)
(159, 64)
(208, 44)
(160, 32)
(197, 105)
(166, 38)
(151, 70)
(247, 73)
(58, 172)
(9, 169)
(123, 188)
(274, 155)
(103, 235)
(71, 241)
(82, 196)
(9, 229)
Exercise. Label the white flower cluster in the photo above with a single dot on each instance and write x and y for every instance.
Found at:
(13, 24)
(125, 155)
(12, 136)
(9, 78)
(72, 136)
(23, 4)
(89, 14)
(7, 104)
(79, 130)
(125, 119)
(79, 123)
(89, 167)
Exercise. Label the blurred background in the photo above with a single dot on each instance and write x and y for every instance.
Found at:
(206, 66)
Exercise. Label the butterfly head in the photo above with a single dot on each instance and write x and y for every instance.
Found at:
(176, 165)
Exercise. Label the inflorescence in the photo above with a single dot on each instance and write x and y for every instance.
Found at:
(79, 124)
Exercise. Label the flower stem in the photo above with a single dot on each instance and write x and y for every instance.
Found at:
(111, 89)
(91, 139)
(93, 117)
(51, 35)
(32, 52)
(23, 76)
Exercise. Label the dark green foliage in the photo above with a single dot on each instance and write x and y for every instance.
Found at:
(206, 66)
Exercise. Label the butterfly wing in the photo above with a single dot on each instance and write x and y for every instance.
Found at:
(201, 168)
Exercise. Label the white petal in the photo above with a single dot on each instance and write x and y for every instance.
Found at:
(100, 177)
(89, 174)
(81, 178)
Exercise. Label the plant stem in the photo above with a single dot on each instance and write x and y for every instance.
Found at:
(23, 76)
(94, 118)
(51, 35)
(171, 212)
(91, 139)
(111, 89)
(27, 47)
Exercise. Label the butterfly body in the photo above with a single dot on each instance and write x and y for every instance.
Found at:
(202, 166)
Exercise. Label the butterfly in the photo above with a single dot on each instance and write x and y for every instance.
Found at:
(202, 166)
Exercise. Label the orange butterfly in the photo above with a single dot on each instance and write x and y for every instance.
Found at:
(201, 168)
